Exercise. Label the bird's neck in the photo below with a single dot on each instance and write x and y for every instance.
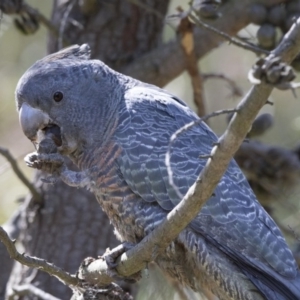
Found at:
(91, 151)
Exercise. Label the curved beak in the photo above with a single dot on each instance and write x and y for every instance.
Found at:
(32, 120)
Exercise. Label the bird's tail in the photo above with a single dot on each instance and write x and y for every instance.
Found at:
(222, 276)
(277, 287)
(241, 275)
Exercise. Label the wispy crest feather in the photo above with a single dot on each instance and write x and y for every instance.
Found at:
(82, 52)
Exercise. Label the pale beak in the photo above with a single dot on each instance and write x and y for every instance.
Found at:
(32, 120)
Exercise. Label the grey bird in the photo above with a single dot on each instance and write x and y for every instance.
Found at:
(117, 130)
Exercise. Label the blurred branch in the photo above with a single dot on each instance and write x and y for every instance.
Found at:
(37, 196)
(61, 38)
(235, 89)
(11, 7)
(30, 290)
(185, 30)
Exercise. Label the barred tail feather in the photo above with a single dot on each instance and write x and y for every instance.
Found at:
(222, 276)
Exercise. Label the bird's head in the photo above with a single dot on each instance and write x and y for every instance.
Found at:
(68, 95)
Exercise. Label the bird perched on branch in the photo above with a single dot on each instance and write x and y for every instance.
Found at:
(117, 130)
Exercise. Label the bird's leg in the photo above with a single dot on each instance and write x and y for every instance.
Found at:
(111, 256)
(46, 158)
(75, 178)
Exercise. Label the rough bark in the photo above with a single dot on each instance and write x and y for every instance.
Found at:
(117, 31)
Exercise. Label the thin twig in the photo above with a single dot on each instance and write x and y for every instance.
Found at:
(34, 262)
(37, 196)
(232, 40)
(6, 166)
(236, 90)
(29, 289)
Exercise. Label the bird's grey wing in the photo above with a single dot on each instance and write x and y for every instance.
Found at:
(232, 217)
(145, 127)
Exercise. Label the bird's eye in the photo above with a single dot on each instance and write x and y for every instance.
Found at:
(58, 96)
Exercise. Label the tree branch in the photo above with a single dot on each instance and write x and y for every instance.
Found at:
(35, 262)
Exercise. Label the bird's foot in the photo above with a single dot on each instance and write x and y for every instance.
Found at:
(111, 257)
(48, 162)
(54, 164)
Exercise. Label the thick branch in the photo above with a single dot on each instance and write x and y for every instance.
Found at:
(136, 259)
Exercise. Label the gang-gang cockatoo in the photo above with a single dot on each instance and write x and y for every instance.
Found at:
(117, 130)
